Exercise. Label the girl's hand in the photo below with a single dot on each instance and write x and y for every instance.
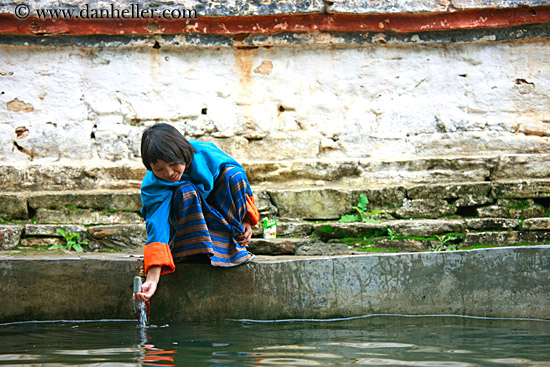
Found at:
(147, 290)
(150, 286)
(244, 238)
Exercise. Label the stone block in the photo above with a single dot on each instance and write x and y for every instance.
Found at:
(425, 227)
(379, 198)
(492, 211)
(292, 170)
(424, 208)
(449, 191)
(85, 217)
(50, 230)
(125, 201)
(531, 212)
(294, 228)
(508, 238)
(10, 236)
(286, 229)
(512, 208)
(536, 224)
(79, 176)
(13, 206)
(534, 166)
(274, 246)
(492, 224)
(535, 188)
(69, 199)
(471, 200)
(405, 244)
(322, 249)
(427, 170)
(310, 203)
(264, 204)
(118, 236)
(341, 230)
(96, 199)
(42, 241)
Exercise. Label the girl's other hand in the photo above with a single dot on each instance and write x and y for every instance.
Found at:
(244, 238)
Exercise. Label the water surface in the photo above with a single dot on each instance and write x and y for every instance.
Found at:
(369, 341)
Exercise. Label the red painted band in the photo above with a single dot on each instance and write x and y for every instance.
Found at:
(270, 24)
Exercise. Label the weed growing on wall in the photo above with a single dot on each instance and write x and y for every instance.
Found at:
(364, 214)
(72, 242)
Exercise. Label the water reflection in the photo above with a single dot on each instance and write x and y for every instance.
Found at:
(150, 355)
(382, 341)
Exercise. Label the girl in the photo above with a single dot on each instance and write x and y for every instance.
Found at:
(196, 200)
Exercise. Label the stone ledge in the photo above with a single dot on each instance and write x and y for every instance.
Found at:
(506, 282)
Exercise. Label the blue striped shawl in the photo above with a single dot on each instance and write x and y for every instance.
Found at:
(156, 193)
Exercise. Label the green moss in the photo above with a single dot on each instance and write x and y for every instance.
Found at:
(109, 250)
(378, 249)
(327, 229)
(350, 241)
(519, 204)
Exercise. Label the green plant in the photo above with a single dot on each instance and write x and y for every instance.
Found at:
(392, 235)
(364, 215)
(72, 242)
(446, 243)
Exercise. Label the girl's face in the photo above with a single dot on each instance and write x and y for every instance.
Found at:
(168, 171)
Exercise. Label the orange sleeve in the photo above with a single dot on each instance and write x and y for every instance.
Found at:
(252, 212)
(158, 254)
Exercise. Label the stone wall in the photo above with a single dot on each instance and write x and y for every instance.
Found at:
(397, 218)
(451, 86)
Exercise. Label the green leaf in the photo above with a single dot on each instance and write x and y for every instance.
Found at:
(55, 247)
(363, 201)
(63, 233)
(369, 220)
(78, 248)
(72, 237)
(349, 218)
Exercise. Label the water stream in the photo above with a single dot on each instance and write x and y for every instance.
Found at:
(140, 308)
(369, 341)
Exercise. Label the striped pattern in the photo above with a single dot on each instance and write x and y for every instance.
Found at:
(208, 226)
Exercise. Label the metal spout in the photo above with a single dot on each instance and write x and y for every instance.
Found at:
(137, 284)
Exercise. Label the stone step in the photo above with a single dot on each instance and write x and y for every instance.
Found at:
(109, 219)
(350, 172)
(500, 199)
(303, 238)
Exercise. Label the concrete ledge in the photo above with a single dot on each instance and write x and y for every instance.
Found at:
(68, 287)
(503, 282)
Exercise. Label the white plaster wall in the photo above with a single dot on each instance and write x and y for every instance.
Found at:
(278, 103)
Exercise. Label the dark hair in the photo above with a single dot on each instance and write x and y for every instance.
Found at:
(164, 142)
